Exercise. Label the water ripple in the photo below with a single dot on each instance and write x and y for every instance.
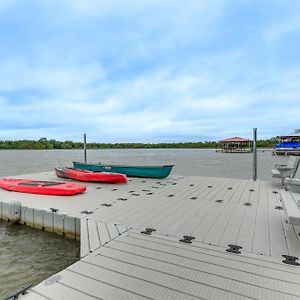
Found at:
(29, 256)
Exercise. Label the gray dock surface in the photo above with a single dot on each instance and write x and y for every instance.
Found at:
(120, 262)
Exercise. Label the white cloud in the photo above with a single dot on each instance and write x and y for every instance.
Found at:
(6, 4)
(275, 31)
(16, 75)
(141, 70)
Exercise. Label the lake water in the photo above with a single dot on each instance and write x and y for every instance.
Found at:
(29, 256)
(192, 162)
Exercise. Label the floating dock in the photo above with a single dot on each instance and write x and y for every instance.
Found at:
(175, 238)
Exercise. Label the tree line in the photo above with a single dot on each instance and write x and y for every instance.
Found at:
(43, 143)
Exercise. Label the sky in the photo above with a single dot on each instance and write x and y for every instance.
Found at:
(149, 70)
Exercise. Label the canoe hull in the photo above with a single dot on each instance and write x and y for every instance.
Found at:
(131, 171)
(90, 176)
(41, 187)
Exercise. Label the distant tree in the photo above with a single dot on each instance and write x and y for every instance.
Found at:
(297, 130)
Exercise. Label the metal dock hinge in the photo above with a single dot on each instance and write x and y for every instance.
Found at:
(290, 260)
(22, 291)
(187, 239)
(278, 207)
(87, 212)
(234, 249)
(135, 194)
(148, 231)
(122, 199)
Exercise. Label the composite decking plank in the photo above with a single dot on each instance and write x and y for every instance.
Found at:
(33, 295)
(201, 272)
(127, 278)
(84, 238)
(121, 228)
(182, 288)
(261, 237)
(199, 216)
(220, 264)
(226, 209)
(215, 214)
(98, 287)
(136, 207)
(183, 225)
(248, 258)
(136, 204)
(231, 232)
(103, 234)
(112, 229)
(158, 211)
(166, 206)
(247, 227)
(58, 291)
(166, 224)
(94, 240)
(277, 235)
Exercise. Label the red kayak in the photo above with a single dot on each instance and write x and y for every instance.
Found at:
(85, 175)
(41, 187)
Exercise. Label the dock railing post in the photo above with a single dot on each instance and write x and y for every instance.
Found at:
(254, 154)
(84, 146)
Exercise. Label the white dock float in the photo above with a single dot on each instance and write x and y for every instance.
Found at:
(120, 262)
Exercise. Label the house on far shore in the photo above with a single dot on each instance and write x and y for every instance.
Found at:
(236, 145)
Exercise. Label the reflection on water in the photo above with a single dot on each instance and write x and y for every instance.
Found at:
(29, 255)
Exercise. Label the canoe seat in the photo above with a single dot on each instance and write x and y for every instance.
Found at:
(290, 207)
(288, 170)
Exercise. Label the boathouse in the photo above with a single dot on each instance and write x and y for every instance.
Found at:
(236, 145)
(289, 144)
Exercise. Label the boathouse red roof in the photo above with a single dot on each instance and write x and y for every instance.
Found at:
(236, 139)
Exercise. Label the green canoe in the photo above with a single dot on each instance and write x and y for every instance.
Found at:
(131, 171)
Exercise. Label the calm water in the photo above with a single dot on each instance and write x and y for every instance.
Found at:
(187, 161)
(29, 256)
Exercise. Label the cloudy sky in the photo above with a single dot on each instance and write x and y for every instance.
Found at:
(149, 70)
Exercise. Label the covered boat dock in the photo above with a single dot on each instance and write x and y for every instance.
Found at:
(289, 145)
(236, 145)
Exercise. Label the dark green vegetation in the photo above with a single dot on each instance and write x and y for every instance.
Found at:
(43, 143)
